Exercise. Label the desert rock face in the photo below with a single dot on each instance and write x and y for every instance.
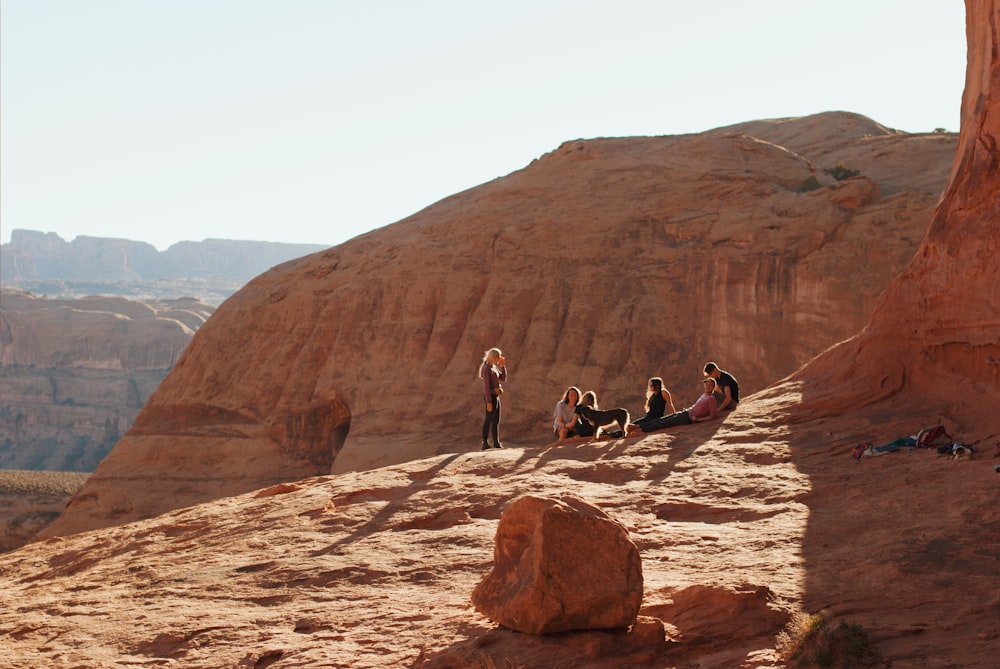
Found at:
(600, 264)
(740, 523)
(77, 372)
(932, 343)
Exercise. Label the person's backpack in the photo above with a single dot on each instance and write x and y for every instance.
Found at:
(932, 437)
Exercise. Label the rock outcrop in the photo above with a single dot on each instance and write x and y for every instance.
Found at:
(741, 523)
(77, 372)
(600, 264)
(931, 345)
(560, 565)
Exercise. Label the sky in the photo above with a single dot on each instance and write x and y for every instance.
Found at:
(313, 121)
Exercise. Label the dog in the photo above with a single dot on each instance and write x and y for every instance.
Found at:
(599, 418)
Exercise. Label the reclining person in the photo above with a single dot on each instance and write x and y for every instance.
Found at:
(704, 409)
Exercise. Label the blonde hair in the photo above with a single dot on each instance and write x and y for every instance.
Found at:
(495, 353)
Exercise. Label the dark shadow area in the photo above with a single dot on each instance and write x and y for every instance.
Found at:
(419, 481)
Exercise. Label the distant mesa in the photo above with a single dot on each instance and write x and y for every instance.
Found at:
(209, 270)
(33, 255)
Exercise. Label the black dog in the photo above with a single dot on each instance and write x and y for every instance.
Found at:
(599, 418)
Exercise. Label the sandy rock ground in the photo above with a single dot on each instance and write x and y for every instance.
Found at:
(376, 569)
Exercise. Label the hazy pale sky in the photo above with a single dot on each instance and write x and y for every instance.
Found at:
(312, 121)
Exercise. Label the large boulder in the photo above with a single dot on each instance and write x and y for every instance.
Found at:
(561, 565)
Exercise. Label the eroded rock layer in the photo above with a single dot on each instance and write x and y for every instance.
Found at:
(741, 524)
(600, 264)
(76, 372)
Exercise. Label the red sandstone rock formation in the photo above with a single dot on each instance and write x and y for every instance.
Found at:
(933, 342)
(684, 249)
(760, 515)
(376, 568)
(560, 565)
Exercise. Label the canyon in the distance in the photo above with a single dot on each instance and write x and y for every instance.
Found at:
(305, 487)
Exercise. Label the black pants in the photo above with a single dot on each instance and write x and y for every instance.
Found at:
(491, 425)
(679, 418)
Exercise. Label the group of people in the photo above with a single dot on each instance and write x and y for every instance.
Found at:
(720, 392)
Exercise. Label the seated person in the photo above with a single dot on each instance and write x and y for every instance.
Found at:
(584, 428)
(702, 410)
(727, 391)
(565, 418)
(658, 401)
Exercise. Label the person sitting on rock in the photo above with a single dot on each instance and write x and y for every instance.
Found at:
(584, 428)
(658, 402)
(565, 419)
(704, 409)
(727, 393)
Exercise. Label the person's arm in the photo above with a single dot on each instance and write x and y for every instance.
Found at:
(729, 398)
(670, 403)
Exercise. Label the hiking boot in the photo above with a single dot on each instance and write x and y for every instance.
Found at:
(486, 446)
(498, 445)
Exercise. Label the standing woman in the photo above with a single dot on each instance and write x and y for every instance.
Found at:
(492, 371)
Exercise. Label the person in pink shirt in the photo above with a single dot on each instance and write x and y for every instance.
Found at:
(706, 408)
(493, 371)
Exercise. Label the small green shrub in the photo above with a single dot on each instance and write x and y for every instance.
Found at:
(839, 172)
(810, 641)
(809, 183)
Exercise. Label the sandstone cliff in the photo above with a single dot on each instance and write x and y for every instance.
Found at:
(600, 264)
(740, 522)
(77, 372)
